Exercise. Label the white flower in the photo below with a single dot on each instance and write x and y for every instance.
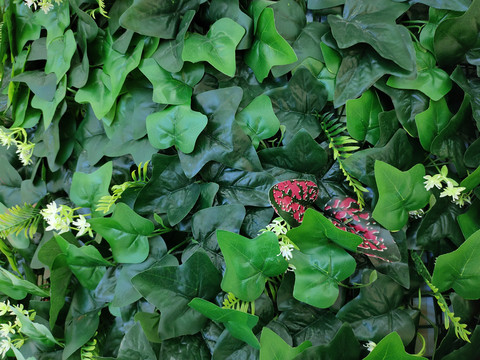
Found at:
(46, 6)
(452, 191)
(278, 226)
(4, 307)
(31, 3)
(51, 211)
(464, 198)
(433, 181)
(7, 328)
(370, 345)
(286, 250)
(416, 214)
(25, 152)
(82, 225)
(5, 345)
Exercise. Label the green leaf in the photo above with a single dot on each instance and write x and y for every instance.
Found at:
(318, 272)
(298, 103)
(455, 5)
(344, 346)
(269, 48)
(217, 47)
(37, 332)
(135, 345)
(432, 121)
(468, 221)
(87, 189)
(273, 346)
(458, 269)
(222, 140)
(59, 54)
(171, 288)
(399, 193)
(391, 347)
(373, 22)
(249, 262)
(86, 262)
(42, 85)
(258, 120)
(238, 323)
(454, 37)
(377, 311)
(430, 80)
(168, 88)
(177, 125)
(126, 232)
(17, 288)
(471, 86)
(48, 108)
(289, 19)
(175, 194)
(316, 230)
(362, 117)
(157, 19)
(302, 154)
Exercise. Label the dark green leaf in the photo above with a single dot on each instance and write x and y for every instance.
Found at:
(135, 345)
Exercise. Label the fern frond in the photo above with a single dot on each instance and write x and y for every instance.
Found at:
(17, 219)
(232, 302)
(460, 329)
(342, 146)
(101, 8)
(89, 351)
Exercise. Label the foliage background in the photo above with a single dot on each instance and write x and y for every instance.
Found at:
(226, 98)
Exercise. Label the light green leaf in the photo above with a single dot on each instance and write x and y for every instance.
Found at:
(177, 125)
(87, 189)
(17, 288)
(217, 47)
(362, 117)
(272, 346)
(249, 262)
(459, 269)
(269, 48)
(238, 323)
(126, 232)
(399, 193)
(258, 120)
(391, 347)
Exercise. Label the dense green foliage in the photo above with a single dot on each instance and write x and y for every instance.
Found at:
(146, 144)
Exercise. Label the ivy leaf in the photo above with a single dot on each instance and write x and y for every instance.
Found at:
(458, 269)
(217, 47)
(59, 54)
(399, 193)
(375, 312)
(238, 323)
(126, 232)
(317, 230)
(391, 346)
(168, 88)
(432, 121)
(273, 346)
(171, 288)
(177, 125)
(318, 273)
(48, 108)
(258, 120)
(373, 22)
(455, 36)
(298, 103)
(175, 194)
(86, 262)
(157, 19)
(269, 48)
(430, 80)
(42, 85)
(87, 189)
(222, 140)
(362, 117)
(249, 262)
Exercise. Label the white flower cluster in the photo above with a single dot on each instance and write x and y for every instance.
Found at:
(280, 228)
(370, 345)
(60, 218)
(44, 5)
(10, 333)
(452, 189)
(18, 137)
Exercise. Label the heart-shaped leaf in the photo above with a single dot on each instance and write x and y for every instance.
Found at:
(390, 347)
(177, 125)
(249, 262)
(217, 47)
(269, 48)
(291, 198)
(399, 193)
(362, 117)
(432, 121)
(126, 232)
(273, 346)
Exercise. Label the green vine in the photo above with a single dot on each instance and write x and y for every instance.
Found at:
(342, 147)
(460, 329)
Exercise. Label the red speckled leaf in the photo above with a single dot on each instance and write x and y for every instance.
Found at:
(291, 198)
(377, 241)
